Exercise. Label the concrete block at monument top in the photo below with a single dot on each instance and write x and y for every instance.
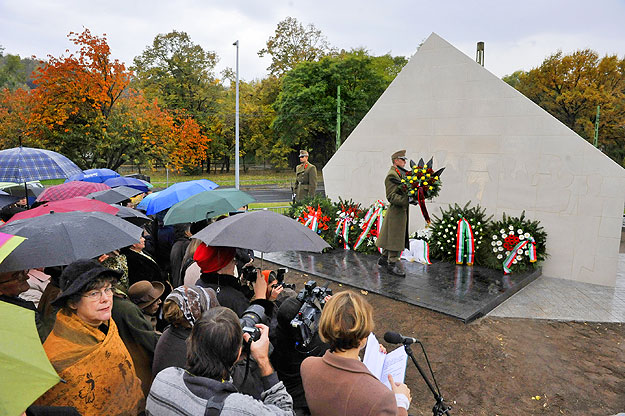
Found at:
(500, 150)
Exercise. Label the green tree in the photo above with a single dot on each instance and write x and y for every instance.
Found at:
(570, 87)
(306, 106)
(293, 43)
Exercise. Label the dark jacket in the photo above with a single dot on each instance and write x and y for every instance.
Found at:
(229, 294)
(175, 259)
(138, 336)
(171, 349)
(339, 386)
(142, 267)
(394, 232)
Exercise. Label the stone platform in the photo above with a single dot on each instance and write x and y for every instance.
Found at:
(463, 292)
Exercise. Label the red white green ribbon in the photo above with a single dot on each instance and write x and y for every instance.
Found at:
(465, 243)
(372, 215)
(342, 228)
(312, 218)
(426, 252)
(507, 263)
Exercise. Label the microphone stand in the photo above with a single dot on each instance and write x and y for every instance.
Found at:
(440, 408)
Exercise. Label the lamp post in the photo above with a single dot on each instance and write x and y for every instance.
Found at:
(236, 128)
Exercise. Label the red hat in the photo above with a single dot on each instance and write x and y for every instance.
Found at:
(211, 259)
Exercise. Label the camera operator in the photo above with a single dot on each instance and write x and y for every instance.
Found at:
(287, 357)
(218, 265)
(205, 387)
(339, 383)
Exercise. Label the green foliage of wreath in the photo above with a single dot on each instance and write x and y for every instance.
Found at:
(444, 228)
(503, 235)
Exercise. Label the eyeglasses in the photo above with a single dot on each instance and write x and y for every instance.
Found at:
(96, 295)
(302, 156)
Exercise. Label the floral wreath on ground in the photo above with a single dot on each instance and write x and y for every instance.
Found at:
(516, 244)
(345, 223)
(316, 213)
(421, 182)
(458, 236)
(369, 226)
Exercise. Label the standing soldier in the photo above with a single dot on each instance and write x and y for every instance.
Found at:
(305, 177)
(393, 236)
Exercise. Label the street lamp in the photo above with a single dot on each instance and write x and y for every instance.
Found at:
(236, 128)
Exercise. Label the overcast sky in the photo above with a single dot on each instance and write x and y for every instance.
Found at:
(517, 34)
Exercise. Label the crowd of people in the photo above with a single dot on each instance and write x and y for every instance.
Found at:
(159, 328)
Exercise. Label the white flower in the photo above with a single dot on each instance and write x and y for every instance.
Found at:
(514, 261)
(439, 233)
(494, 237)
(511, 232)
(495, 250)
(449, 252)
(498, 243)
(500, 248)
(507, 252)
(502, 231)
(448, 241)
(519, 251)
(479, 223)
(526, 235)
(511, 228)
(476, 232)
(527, 253)
(519, 231)
(493, 244)
(504, 236)
(499, 256)
(521, 237)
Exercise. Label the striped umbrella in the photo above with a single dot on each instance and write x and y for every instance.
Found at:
(70, 189)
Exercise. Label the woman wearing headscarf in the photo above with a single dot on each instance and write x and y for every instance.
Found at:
(85, 349)
(182, 308)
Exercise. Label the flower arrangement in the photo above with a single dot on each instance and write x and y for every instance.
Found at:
(318, 213)
(422, 182)
(422, 234)
(516, 244)
(345, 224)
(369, 226)
(464, 224)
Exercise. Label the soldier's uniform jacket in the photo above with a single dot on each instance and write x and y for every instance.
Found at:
(305, 180)
(394, 233)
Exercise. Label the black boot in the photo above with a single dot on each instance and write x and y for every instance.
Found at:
(382, 261)
(396, 268)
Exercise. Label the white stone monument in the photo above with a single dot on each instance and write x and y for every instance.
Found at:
(500, 150)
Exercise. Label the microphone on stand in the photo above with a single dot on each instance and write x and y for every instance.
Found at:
(397, 338)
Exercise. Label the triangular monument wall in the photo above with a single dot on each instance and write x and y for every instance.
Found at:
(500, 150)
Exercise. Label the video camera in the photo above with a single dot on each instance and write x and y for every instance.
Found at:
(249, 273)
(307, 319)
(254, 314)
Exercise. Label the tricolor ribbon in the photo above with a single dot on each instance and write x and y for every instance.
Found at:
(465, 243)
(373, 215)
(311, 218)
(426, 252)
(507, 263)
(342, 228)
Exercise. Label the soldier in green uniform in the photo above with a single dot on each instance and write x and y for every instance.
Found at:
(305, 177)
(393, 236)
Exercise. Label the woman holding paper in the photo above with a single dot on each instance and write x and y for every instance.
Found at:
(339, 383)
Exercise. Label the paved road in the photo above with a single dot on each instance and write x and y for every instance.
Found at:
(273, 193)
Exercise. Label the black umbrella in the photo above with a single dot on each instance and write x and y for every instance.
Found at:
(264, 231)
(114, 195)
(58, 239)
(131, 215)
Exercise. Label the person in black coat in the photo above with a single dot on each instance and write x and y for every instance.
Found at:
(141, 266)
(182, 238)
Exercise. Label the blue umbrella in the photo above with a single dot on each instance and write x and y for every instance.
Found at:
(143, 205)
(23, 164)
(94, 175)
(176, 193)
(129, 182)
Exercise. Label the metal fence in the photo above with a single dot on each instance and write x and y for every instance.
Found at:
(279, 210)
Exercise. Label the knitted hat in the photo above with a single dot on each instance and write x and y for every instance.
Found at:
(211, 259)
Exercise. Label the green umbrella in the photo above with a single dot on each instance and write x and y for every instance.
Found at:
(206, 205)
(26, 371)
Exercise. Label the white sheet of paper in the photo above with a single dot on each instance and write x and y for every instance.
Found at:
(381, 365)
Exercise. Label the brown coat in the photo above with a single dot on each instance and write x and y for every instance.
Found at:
(394, 232)
(305, 180)
(339, 386)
